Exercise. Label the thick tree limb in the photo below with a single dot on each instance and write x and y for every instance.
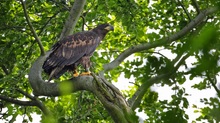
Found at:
(74, 15)
(109, 95)
(42, 88)
(166, 40)
(32, 28)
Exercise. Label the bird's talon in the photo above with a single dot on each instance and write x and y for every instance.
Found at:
(85, 73)
(76, 74)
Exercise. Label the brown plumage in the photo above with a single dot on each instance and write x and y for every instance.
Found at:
(73, 50)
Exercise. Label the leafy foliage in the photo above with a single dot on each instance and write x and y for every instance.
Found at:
(136, 22)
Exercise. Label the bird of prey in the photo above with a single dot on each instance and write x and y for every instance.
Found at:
(73, 50)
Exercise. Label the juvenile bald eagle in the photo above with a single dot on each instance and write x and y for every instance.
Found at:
(73, 50)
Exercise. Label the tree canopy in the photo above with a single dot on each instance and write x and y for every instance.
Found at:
(143, 29)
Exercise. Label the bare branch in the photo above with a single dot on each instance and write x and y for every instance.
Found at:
(32, 28)
(196, 5)
(26, 94)
(74, 15)
(181, 61)
(213, 82)
(48, 21)
(187, 13)
(195, 22)
(5, 69)
(18, 102)
(33, 102)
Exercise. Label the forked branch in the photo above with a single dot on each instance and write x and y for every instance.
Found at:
(32, 28)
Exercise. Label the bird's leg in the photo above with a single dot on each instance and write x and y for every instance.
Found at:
(75, 73)
(87, 72)
(86, 64)
(74, 68)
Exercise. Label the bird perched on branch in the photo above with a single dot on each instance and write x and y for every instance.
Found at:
(73, 50)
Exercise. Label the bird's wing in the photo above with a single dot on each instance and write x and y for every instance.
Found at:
(72, 48)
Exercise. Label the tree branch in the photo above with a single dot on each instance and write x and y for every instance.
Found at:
(196, 5)
(213, 82)
(74, 15)
(47, 22)
(187, 13)
(33, 102)
(107, 93)
(25, 94)
(5, 69)
(195, 22)
(18, 102)
(32, 28)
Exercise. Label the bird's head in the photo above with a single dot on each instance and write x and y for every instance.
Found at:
(104, 28)
(108, 27)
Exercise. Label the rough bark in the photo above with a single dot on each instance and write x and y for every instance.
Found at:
(106, 92)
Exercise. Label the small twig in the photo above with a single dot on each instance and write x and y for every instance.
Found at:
(5, 69)
(32, 28)
(48, 21)
(7, 27)
(213, 83)
(159, 54)
(83, 16)
(196, 5)
(29, 53)
(134, 84)
(26, 94)
(187, 13)
(58, 4)
(181, 62)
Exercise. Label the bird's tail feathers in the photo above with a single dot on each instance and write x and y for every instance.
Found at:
(55, 73)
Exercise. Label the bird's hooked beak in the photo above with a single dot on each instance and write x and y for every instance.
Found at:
(109, 28)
